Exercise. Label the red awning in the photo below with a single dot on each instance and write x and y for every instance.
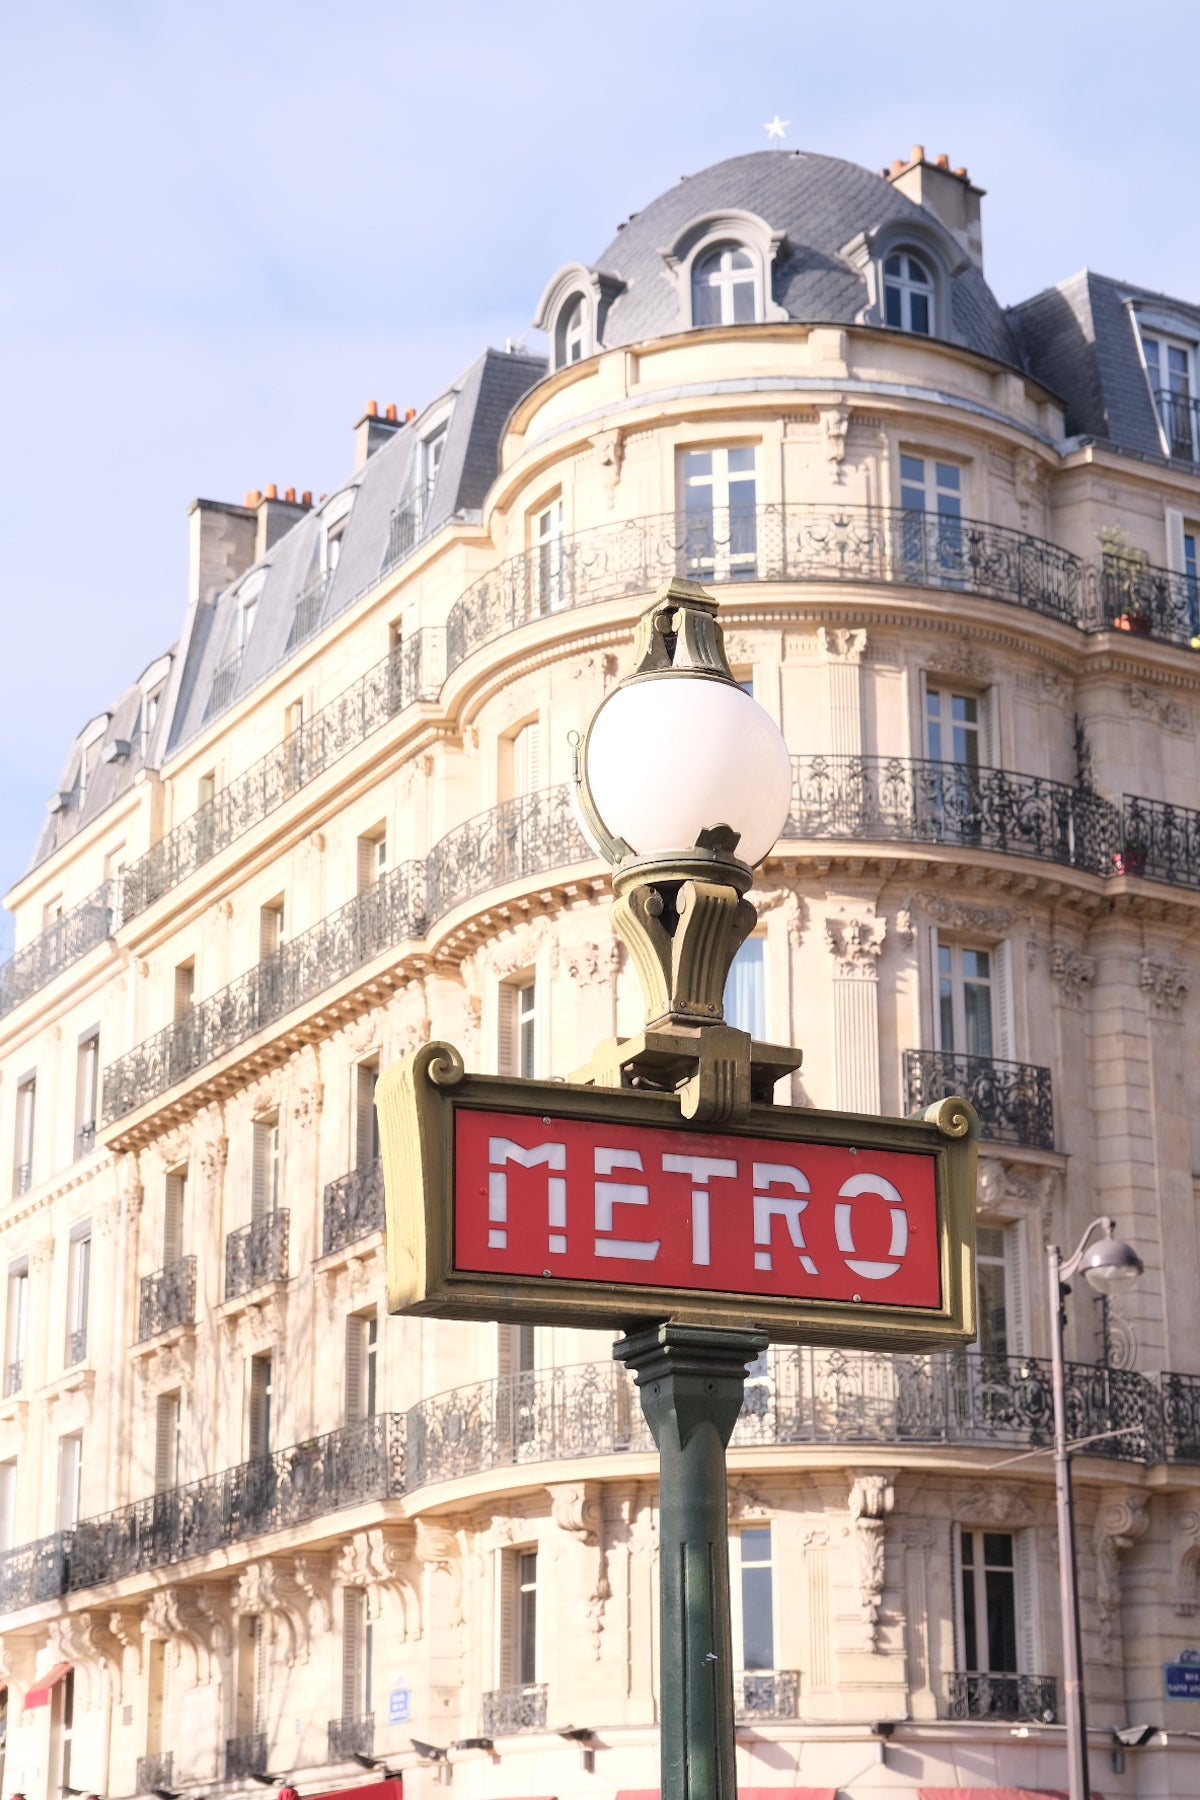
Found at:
(392, 1789)
(40, 1695)
(774, 1793)
(994, 1793)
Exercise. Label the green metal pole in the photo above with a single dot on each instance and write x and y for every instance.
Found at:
(691, 1381)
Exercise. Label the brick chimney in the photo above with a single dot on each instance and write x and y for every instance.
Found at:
(220, 546)
(947, 193)
(373, 431)
(273, 516)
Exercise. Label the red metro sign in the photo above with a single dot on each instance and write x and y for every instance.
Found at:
(550, 1203)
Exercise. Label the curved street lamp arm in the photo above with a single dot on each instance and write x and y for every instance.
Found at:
(1068, 1268)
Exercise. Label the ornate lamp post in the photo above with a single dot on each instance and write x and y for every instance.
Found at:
(1107, 1264)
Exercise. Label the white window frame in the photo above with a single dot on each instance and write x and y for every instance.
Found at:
(737, 1618)
(517, 1007)
(1026, 1599)
(1000, 987)
(753, 952)
(573, 331)
(906, 287)
(79, 1282)
(981, 730)
(1155, 343)
(723, 250)
(546, 541)
(726, 562)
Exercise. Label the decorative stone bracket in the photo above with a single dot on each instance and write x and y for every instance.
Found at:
(270, 1590)
(576, 1508)
(872, 1497)
(195, 1618)
(1120, 1520)
(380, 1563)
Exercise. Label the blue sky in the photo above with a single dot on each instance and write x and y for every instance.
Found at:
(227, 226)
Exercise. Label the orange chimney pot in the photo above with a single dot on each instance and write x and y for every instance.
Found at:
(289, 495)
(943, 161)
(390, 412)
(272, 492)
(372, 409)
(918, 153)
(306, 497)
(253, 497)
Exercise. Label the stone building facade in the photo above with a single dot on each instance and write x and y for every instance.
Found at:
(255, 1528)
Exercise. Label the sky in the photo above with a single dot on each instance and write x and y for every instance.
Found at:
(226, 227)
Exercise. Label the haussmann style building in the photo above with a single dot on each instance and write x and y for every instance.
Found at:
(254, 1530)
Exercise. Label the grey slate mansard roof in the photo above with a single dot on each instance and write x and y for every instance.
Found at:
(1080, 338)
(822, 203)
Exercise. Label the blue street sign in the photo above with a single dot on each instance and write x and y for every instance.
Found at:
(398, 1705)
(1183, 1677)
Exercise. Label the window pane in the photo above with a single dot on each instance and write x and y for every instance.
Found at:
(706, 303)
(756, 1543)
(919, 304)
(743, 303)
(970, 1623)
(917, 272)
(913, 469)
(745, 992)
(892, 266)
(758, 1629)
(891, 306)
(1001, 1621)
(977, 965)
(740, 259)
(993, 1312)
(697, 462)
(741, 461)
(977, 1012)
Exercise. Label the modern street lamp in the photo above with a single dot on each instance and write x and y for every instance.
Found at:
(1107, 1264)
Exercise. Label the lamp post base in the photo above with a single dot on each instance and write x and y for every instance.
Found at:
(691, 1380)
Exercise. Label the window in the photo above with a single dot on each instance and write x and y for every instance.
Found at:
(87, 1092)
(270, 928)
(8, 1504)
(79, 1277)
(16, 1326)
(432, 451)
(174, 1202)
(518, 1027)
(362, 1366)
(62, 1732)
(293, 718)
(931, 535)
(366, 1119)
(997, 1604)
(23, 1140)
(1169, 368)
(333, 546)
(956, 727)
(206, 789)
(264, 1182)
(1000, 1278)
(719, 492)
(70, 1470)
(518, 1618)
(356, 1655)
(527, 773)
(244, 623)
(725, 287)
(515, 1349)
(548, 563)
(571, 333)
(972, 1016)
(930, 486)
(907, 293)
(251, 1675)
(1191, 577)
(745, 990)
(166, 1442)
(753, 1597)
(372, 857)
(185, 987)
(260, 1407)
(52, 912)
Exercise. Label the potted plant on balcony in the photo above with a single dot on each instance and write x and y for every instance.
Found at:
(1130, 856)
(1123, 566)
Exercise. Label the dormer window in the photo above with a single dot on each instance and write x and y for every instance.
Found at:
(725, 287)
(1169, 367)
(908, 293)
(571, 335)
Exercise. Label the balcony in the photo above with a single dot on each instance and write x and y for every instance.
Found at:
(765, 1694)
(528, 836)
(1180, 417)
(256, 1254)
(155, 1773)
(1030, 1699)
(513, 1709)
(1013, 1099)
(310, 606)
(167, 1298)
(224, 683)
(76, 1347)
(404, 534)
(351, 1737)
(246, 1755)
(14, 1378)
(35, 1572)
(56, 948)
(353, 1207)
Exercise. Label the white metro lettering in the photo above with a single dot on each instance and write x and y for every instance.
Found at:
(620, 1193)
(850, 1190)
(702, 1170)
(554, 1156)
(779, 1206)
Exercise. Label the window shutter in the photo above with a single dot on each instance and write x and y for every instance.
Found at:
(68, 1482)
(956, 1575)
(176, 1190)
(8, 1504)
(506, 1028)
(1003, 1033)
(185, 983)
(1017, 1290)
(366, 864)
(1175, 558)
(366, 1140)
(1025, 1556)
(352, 1634)
(260, 1674)
(260, 1381)
(260, 1177)
(934, 997)
(527, 759)
(355, 1333)
(505, 1361)
(166, 1426)
(989, 743)
(270, 931)
(506, 1577)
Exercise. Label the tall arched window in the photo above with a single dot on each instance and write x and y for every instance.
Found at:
(571, 333)
(907, 293)
(724, 287)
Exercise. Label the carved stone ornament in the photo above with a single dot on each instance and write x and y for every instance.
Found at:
(961, 659)
(308, 1103)
(1166, 984)
(1072, 971)
(1186, 1544)
(960, 915)
(165, 1366)
(361, 1036)
(518, 949)
(610, 454)
(269, 1589)
(592, 965)
(906, 929)
(438, 1547)
(835, 425)
(1160, 708)
(381, 1563)
(312, 1578)
(791, 904)
(194, 1620)
(996, 1503)
(1015, 1191)
(1120, 1520)
(842, 645)
(1027, 480)
(856, 946)
(576, 1508)
(81, 1640)
(872, 1497)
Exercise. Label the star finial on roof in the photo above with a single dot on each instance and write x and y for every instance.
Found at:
(777, 127)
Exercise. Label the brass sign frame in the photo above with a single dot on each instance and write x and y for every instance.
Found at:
(417, 1099)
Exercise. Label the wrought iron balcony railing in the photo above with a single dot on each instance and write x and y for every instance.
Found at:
(1013, 1100)
(256, 1254)
(771, 543)
(353, 1207)
(224, 683)
(56, 948)
(85, 1137)
(155, 1773)
(405, 532)
(1180, 415)
(310, 605)
(766, 1694)
(805, 1396)
(76, 1347)
(351, 1737)
(22, 1179)
(1150, 602)
(167, 1298)
(527, 836)
(246, 1755)
(14, 1378)
(337, 728)
(512, 1709)
(1031, 1698)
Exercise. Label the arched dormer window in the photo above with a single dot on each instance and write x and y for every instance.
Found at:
(571, 333)
(725, 286)
(572, 311)
(908, 302)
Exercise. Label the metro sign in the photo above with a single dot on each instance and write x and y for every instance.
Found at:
(554, 1204)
